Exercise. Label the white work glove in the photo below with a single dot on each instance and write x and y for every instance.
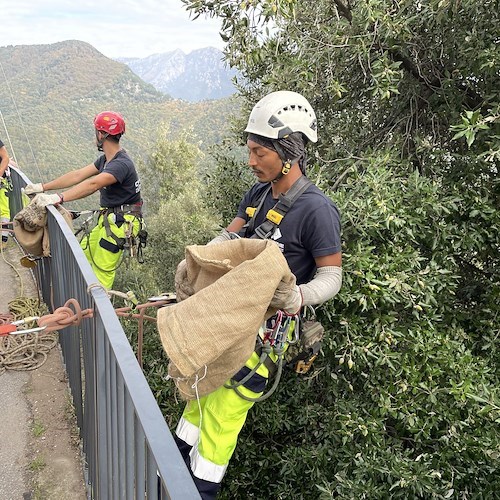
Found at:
(224, 235)
(287, 297)
(33, 189)
(43, 200)
(183, 289)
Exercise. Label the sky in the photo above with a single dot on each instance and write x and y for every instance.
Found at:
(116, 28)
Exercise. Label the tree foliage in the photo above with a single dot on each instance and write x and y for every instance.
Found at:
(404, 403)
(176, 212)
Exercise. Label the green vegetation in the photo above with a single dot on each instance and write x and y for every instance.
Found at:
(38, 428)
(50, 94)
(37, 464)
(404, 402)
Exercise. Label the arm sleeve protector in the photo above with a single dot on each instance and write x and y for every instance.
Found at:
(325, 284)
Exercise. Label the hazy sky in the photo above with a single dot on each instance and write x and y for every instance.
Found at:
(117, 28)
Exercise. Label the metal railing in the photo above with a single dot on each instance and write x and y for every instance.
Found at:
(128, 450)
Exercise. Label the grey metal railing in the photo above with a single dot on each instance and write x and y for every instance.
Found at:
(128, 450)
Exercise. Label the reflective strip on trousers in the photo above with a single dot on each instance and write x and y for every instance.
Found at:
(204, 469)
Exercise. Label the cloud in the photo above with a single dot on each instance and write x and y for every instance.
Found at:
(126, 28)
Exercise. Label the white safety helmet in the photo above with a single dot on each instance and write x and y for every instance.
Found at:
(281, 113)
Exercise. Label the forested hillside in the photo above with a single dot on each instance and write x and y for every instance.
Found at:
(49, 95)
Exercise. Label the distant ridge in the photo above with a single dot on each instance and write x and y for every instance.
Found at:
(50, 93)
(199, 75)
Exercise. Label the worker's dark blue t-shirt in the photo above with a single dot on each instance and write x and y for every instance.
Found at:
(310, 229)
(127, 188)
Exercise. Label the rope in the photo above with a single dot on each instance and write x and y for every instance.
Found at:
(22, 124)
(128, 312)
(10, 264)
(16, 350)
(64, 316)
(24, 352)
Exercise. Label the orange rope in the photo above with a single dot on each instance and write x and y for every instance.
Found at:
(126, 311)
(64, 316)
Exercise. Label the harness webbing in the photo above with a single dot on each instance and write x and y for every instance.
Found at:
(285, 202)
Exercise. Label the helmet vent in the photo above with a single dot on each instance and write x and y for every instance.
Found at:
(275, 122)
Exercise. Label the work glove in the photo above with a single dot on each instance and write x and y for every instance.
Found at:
(43, 200)
(183, 288)
(287, 297)
(33, 189)
(224, 235)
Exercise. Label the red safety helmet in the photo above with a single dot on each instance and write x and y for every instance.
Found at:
(110, 122)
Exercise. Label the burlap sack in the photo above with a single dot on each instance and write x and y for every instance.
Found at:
(209, 336)
(30, 229)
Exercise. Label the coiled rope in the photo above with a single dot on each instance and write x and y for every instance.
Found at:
(29, 351)
(24, 352)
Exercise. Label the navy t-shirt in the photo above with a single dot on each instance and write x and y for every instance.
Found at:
(310, 229)
(127, 188)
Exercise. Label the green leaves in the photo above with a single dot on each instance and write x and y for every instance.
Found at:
(403, 402)
(472, 123)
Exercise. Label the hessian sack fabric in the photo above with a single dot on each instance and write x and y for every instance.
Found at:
(209, 336)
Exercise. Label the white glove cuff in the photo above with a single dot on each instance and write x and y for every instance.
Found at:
(325, 284)
(294, 306)
(222, 236)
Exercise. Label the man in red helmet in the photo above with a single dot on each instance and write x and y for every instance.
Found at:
(115, 176)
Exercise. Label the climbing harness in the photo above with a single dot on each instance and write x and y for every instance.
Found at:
(131, 245)
(277, 338)
(281, 330)
(275, 215)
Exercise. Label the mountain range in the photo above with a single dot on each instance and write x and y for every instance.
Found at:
(49, 95)
(199, 75)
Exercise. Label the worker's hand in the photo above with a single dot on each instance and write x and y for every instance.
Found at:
(183, 288)
(33, 189)
(287, 297)
(224, 235)
(43, 200)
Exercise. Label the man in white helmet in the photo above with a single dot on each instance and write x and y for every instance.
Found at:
(279, 127)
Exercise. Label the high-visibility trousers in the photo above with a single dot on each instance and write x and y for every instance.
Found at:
(4, 205)
(213, 434)
(102, 250)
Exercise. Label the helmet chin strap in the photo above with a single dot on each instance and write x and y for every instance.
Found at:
(287, 164)
(100, 142)
(284, 170)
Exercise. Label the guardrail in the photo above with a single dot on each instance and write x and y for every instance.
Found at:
(128, 450)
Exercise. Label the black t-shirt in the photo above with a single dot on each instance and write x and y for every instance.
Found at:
(127, 188)
(310, 229)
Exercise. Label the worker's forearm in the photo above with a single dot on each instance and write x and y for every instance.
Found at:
(82, 190)
(65, 181)
(325, 284)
